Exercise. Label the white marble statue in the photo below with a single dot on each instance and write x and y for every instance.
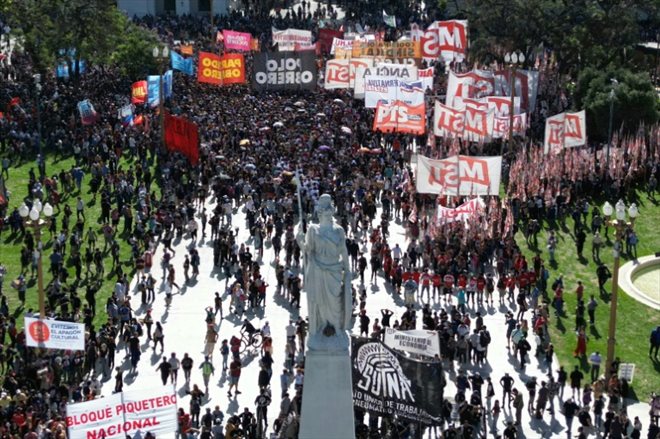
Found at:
(327, 280)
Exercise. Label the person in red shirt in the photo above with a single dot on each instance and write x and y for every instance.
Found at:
(511, 285)
(436, 281)
(481, 286)
(425, 279)
(462, 281)
(579, 291)
(448, 287)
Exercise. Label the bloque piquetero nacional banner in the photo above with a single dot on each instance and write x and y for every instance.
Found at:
(54, 334)
(387, 383)
(284, 71)
(132, 412)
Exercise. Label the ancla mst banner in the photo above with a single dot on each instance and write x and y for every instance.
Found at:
(123, 414)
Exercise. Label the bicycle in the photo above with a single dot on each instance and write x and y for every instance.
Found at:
(255, 341)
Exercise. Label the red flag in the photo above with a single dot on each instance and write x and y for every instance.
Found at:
(14, 101)
(181, 135)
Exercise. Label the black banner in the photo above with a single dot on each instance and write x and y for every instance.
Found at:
(386, 383)
(284, 71)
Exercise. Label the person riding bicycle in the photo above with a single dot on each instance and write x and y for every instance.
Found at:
(249, 328)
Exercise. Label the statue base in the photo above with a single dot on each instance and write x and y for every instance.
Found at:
(337, 344)
(327, 403)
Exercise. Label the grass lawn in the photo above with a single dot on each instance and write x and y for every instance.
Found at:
(11, 244)
(634, 320)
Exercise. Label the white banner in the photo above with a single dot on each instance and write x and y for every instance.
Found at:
(337, 74)
(565, 130)
(387, 89)
(461, 213)
(415, 342)
(473, 85)
(403, 71)
(526, 86)
(426, 76)
(501, 126)
(286, 39)
(474, 122)
(446, 39)
(54, 334)
(337, 43)
(459, 175)
(132, 412)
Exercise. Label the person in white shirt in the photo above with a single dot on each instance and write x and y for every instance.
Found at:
(176, 364)
(120, 293)
(265, 330)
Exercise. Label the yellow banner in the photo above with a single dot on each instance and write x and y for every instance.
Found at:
(396, 49)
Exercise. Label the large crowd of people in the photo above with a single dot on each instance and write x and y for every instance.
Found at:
(444, 274)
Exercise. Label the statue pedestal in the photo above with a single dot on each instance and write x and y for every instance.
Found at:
(327, 403)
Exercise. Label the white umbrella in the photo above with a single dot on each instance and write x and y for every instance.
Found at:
(278, 124)
(346, 130)
(338, 101)
(320, 114)
(299, 104)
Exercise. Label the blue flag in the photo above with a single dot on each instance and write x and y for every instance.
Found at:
(182, 64)
(153, 90)
(168, 80)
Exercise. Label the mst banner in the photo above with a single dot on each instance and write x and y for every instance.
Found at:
(460, 213)
(565, 130)
(414, 342)
(386, 383)
(132, 412)
(284, 71)
(54, 334)
(459, 175)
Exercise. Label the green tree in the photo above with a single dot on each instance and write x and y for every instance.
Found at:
(95, 30)
(635, 100)
(581, 32)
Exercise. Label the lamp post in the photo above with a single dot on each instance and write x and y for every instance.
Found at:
(161, 56)
(37, 87)
(615, 83)
(32, 218)
(513, 59)
(619, 224)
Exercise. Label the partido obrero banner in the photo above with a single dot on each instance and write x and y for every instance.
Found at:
(284, 71)
(386, 383)
(54, 334)
(459, 175)
(130, 412)
(414, 342)
(221, 70)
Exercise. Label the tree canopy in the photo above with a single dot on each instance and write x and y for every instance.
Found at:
(93, 30)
